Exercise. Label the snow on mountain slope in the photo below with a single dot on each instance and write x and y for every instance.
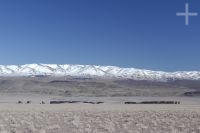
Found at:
(94, 71)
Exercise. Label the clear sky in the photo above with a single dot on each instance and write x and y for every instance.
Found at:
(127, 33)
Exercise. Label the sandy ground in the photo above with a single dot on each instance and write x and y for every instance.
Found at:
(103, 118)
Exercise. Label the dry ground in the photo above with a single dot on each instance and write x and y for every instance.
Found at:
(104, 118)
(110, 117)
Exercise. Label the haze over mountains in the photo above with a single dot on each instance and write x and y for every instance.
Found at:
(95, 71)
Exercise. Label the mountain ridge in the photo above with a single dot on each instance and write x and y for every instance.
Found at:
(95, 71)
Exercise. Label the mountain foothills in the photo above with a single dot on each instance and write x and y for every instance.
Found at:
(95, 71)
(95, 81)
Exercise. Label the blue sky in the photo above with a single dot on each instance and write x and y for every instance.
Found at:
(127, 33)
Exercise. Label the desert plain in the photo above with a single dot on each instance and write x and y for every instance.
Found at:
(111, 116)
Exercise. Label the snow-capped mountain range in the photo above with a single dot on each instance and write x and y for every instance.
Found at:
(95, 71)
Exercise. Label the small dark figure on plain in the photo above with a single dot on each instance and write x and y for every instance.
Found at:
(43, 102)
(19, 102)
(28, 102)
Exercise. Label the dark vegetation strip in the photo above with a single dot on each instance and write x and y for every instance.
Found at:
(61, 102)
(154, 102)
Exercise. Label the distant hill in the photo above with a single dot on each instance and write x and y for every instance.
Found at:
(70, 87)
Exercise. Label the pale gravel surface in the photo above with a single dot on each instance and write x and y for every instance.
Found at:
(105, 118)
